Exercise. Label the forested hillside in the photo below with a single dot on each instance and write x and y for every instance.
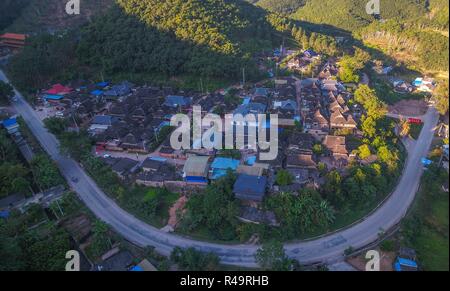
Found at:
(412, 31)
(34, 16)
(351, 14)
(173, 38)
(420, 47)
(10, 10)
(280, 6)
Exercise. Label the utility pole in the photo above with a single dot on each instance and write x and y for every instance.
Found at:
(243, 77)
(201, 84)
(74, 120)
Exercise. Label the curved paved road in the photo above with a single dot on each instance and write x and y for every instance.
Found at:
(328, 248)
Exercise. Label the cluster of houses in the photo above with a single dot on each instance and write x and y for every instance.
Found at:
(120, 117)
(127, 119)
(423, 85)
(303, 61)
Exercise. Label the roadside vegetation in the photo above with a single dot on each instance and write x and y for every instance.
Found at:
(19, 177)
(25, 240)
(426, 229)
(6, 92)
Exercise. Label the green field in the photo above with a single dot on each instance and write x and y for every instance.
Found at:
(426, 228)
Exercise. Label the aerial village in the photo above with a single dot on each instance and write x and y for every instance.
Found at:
(318, 127)
(131, 128)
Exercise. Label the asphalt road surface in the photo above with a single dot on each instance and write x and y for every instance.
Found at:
(325, 249)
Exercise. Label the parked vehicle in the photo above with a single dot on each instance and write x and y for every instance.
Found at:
(406, 260)
(415, 121)
(402, 265)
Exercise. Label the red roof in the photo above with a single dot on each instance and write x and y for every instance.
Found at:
(14, 36)
(59, 89)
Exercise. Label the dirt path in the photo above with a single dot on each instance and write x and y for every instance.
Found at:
(179, 205)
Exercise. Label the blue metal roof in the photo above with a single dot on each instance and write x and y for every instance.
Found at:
(4, 214)
(251, 160)
(53, 97)
(401, 262)
(105, 119)
(192, 179)
(250, 187)
(225, 163)
(102, 84)
(220, 166)
(261, 92)
(175, 101)
(158, 159)
(9, 122)
(137, 269)
(97, 92)
(119, 90)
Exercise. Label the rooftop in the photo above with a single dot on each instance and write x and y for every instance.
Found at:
(249, 187)
(196, 166)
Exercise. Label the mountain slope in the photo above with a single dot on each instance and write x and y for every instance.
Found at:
(351, 14)
(10, 10)
(280, 6)
(214, 38)
(35, 16)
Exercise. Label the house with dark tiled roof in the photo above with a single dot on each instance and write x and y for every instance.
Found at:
(118, 90)
(287, 111)
(329, 85)
(133, 142)
(175, 101)
(250, 189)
(119, 109)
(156, 173)
(299, 152)
(302, 142)
(125, 166)
(294, 159)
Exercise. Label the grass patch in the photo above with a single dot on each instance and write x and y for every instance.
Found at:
(433, 250)
(426, 228)
(415, 131)
(138, 202)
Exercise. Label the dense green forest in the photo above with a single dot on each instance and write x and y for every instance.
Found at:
(280, 6)
(210, 39)
(351, 14)
(408, 43)
(37, 16)
(10, 10)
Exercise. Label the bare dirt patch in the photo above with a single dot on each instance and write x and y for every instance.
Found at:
(175, 209)
(386, 261)
(409, 107)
